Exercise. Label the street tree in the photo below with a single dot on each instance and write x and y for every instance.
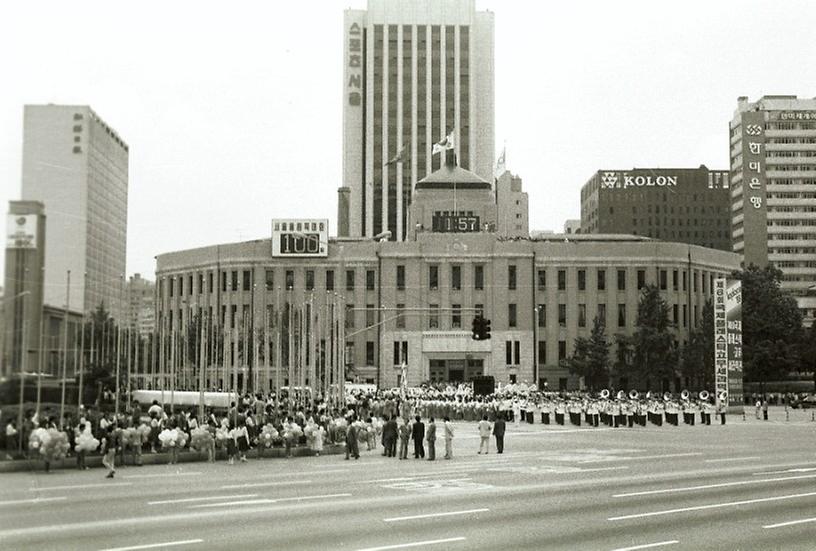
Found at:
(590, 358)
(654, 353)
(697, 358)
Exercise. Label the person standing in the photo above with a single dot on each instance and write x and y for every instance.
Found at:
(390, 437)
(484, 435)
(448, 439)
(765, 409)
(418, 434)
(430, 436)
(351, 439)
(404, 435)
(109, 451)
(11, 439)
(498, 431)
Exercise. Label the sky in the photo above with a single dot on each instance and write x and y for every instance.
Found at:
(233, 111)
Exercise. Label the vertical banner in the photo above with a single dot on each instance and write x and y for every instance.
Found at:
(733, 316)
(720, 340)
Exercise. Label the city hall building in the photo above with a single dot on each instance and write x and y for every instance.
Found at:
(685, 205)
(408, 306)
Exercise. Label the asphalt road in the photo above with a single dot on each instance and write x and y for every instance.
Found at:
(746, 485)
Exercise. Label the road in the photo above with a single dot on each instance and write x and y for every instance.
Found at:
(746, 485)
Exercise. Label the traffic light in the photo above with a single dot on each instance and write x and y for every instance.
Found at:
(485, 329)
(477, 328)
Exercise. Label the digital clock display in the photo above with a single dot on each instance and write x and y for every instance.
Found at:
(456, 223)
(300, 237)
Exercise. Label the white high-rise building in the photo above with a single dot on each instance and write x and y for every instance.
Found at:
(77, 166)
(773, 190)
(414, 71)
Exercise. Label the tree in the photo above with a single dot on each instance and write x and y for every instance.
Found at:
(654, 351)
(590, 358)
(808, 351)
(697, 362)
(771, 325)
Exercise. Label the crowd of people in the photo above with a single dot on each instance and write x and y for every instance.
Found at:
(369, 419)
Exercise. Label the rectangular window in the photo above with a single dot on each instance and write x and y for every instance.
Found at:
(397, 350)
(400, 316)
(223, 282)
(370, 278)
(621, 315)
(562, 280)
(330, 280)
(582, 280)
(685, 315)
(181, 286)
(190, 285)
(233, 315)
(685, 282)
(542, 315)
(369, 352)
(456, 316)
(171, 285)
(602, 313)
(270, 280)
(621, 280)
(676, 314)
(508, 352)
(641, 279)
(400, 277)
(582, 315)
(602, 280)
(675, 282)
(290, 280)
(542, 352)
(664, 283)
(433, 277)
(309, 280)
(696, 285)
(433, 317)
(562, 351)
(370, 312)
(562, 315)
(349, 316)
(542, 280)
(517, 352)
(247, 280)
(210, 282)
(349, 280)
(511, 315)
(511, 277)
(456, 278)
(478, 277)
(234, 280)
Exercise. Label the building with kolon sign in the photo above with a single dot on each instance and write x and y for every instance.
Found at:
(305, 309)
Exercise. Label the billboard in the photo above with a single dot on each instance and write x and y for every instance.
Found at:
(21, 231)
(300, 237)
(728, 340)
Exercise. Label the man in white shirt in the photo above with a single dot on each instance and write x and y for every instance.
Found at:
(484, 435)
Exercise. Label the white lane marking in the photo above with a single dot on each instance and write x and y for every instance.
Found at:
(719, 485)
(418, 476)
(433, 515)
(154, 545)
(647, 545)
(264, 484)
(599, 469)
(786, 471)
(302, 473)
(727, 459)
(80, 486)
(265, 501)
(413, 544)
(790, 523)
(33, 501)
(194, 499)
(161, 475)
(711, 506)
(641, 457)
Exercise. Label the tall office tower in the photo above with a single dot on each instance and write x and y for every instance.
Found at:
(77, 165)
(414, 71)
(141, 304)
(514, 212)
(773, 175)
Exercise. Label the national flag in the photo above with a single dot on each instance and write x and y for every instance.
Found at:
(447, 143)
(500, 163)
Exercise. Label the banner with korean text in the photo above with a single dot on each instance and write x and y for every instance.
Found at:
(728, 341)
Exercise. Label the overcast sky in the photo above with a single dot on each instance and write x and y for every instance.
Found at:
(233, 110)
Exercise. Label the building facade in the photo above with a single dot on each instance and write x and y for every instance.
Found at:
(140, 297)
(414, 71)
(413, 302)
(514, 208)
(77, 166)
(773, 172)
(681, 205)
